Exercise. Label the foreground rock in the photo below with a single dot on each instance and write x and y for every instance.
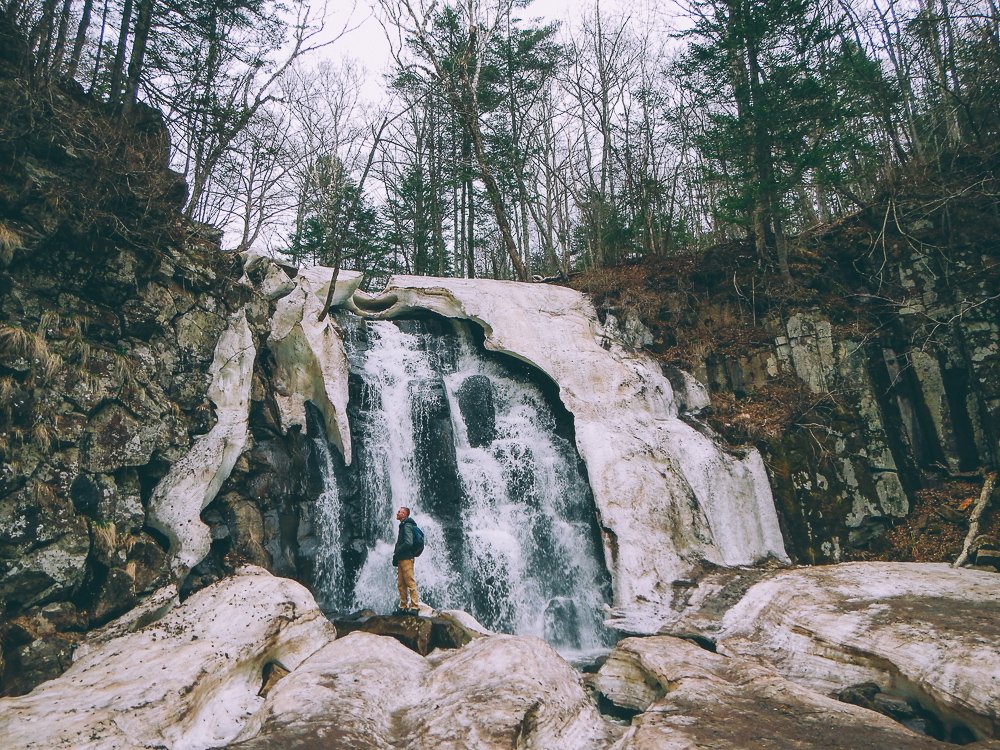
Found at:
(924, 632)
(366, 691)
(689, 698)
(188, 681)
(251, 660)
(422, 634)
(668, 495)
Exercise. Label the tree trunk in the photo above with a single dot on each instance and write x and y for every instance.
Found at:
(100, 48)
(768, 223)
(81, 38)
(40, 40)
(57, 54)
(469, 195)
(494, 194)
(117, 71)
(143, 24)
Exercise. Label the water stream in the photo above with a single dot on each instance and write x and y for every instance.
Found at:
(484, 457)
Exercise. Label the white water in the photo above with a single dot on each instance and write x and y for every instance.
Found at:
(329, 562)
(520, 491)
(390, 475)
(516, 548)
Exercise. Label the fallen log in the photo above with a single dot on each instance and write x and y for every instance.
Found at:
(977, 513)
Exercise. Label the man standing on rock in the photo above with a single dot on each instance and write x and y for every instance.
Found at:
(402, 558)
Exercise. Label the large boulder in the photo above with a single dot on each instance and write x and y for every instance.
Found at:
(422, 634)
(688, 698)
(925, 632)
(368, 691)
(189, 680)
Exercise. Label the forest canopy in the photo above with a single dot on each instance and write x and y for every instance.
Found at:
(508, 147)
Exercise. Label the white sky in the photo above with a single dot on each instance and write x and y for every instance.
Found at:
(367, 43)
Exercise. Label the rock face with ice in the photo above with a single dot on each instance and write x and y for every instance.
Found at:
(668, 495)
(209, 674)
(687, 698)
(486, 462)
(309, 360)
(926, 632)
(193, 482)
(553, 472)
(541, 507)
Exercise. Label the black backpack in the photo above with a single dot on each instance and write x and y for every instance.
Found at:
(418, 541)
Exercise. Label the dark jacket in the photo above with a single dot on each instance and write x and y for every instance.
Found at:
(404, 541)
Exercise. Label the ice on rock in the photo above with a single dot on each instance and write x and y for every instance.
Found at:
(668, 496)
(310, 363)
(192, 483)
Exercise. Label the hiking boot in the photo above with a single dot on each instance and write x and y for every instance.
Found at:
(400, 611)
(415, 611)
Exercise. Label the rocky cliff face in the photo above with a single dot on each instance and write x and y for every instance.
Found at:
(872, 389)
(111, 308)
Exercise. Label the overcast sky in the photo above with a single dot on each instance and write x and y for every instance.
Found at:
(366, 42)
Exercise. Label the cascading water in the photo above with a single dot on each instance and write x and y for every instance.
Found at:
(329, 567)
(483, 459)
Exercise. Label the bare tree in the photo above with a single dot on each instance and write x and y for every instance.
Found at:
(236, 72)
(460, 79)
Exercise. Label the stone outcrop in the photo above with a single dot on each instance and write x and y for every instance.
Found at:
(682, 697)
(667, 494)
(188, 681)
(367, 691)
(251, 662)
(871, 383)
(422, 634)
(843, 482)
(925, 633)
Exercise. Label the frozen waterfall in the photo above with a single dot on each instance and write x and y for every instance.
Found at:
(486, 461)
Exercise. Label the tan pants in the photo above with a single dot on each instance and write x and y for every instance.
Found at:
(406, 584)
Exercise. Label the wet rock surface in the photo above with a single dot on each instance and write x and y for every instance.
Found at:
(419, 633)
(685, 698)
(367, 691)
(926, 633)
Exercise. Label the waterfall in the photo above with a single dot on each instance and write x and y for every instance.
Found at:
(329, 568)
(486, 462)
